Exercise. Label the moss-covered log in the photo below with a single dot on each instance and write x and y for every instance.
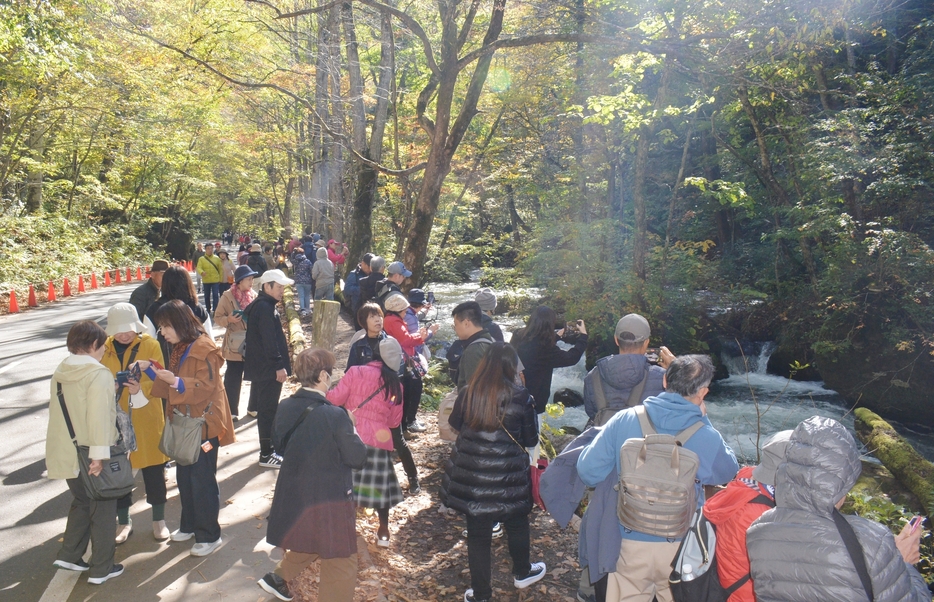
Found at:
(906, 464)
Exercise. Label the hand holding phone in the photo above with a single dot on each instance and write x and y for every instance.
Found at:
(914, 523)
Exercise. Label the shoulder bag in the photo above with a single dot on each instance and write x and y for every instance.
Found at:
(181, 439)
(855, 550)
(116, 477)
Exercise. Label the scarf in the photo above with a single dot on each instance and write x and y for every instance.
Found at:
(175, 357)
(243, 298)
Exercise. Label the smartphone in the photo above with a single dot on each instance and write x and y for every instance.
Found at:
(156, 365)
(915, 523)
(651, 354)
(430, 298)
(237, 312)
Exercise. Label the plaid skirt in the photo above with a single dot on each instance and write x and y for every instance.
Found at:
(375, 485)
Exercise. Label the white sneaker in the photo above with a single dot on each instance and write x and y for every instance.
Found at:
(252, 413)
(123, 532)
(203, 549)
(159, 531)
(181, 535)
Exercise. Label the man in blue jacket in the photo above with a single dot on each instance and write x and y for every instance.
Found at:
(645, 560)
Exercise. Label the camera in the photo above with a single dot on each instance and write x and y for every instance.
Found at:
(651, 355)
(123, 377)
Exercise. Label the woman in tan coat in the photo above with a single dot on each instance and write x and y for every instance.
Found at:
(191, 383)
(126, 343)
(229, 314)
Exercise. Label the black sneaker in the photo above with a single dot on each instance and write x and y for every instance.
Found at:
(536, 573)
(71, 566)
(272, 460)
(115, 571)
(275, 585)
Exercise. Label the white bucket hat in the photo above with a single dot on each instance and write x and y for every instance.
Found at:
(122, 317)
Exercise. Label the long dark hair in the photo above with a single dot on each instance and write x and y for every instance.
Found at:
(389, 378)
(541, 328)
(176, 314)
(176, 284)
(491, 388)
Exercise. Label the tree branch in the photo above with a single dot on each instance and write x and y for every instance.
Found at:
(548, 38)
(307, 11)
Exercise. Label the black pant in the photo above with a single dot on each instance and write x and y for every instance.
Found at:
(154, 480)
(405, 454)
(600, 588)
(479, 538)
(201, 499)
(221, 289)
(264, 400)
(89, 521)
(233, 381)
(411, 397)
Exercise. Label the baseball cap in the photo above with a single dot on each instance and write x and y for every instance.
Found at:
(635, 326)
(397, 267)
(275, 276)
(773, 454)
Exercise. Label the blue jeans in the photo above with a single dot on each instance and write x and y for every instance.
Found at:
(211, 293)
(304, 296)
(200, 496)
(325, 291)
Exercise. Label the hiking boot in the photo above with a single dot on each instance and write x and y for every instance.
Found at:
(123, 532)
(115, 571)
(469, 597)
(71, 566)
(181, 536)
(204, 549)
(275, 585)
(272, 460)
(536, 573)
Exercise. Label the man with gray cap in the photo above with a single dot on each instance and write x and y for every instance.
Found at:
(732, 510)
(145, 295)
(486, 299)
(396, 274)
(627, 379)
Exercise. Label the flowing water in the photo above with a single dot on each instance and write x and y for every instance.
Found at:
(748, 402)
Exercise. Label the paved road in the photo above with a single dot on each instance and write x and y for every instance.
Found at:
(33, 509)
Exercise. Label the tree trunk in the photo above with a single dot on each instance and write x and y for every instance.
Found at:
(324, 323)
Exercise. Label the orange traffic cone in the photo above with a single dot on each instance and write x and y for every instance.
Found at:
(107, 278)
(32, 297)
(129, 275)
(139, 272)
(66, 289)
(117, 274)
(51, 294)
(14, 306)
(80, 283)
(93, 280)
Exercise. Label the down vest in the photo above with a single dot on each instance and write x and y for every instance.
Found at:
(487, 475)
(795, 551)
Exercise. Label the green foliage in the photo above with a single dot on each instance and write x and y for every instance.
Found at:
(454, 263)
(435, 384)
(37, 250)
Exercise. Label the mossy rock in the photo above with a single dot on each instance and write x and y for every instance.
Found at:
(898, 456)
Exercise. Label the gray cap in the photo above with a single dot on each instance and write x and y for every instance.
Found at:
(391, 353)
(632, 328)
(486, 299)
(773, 454)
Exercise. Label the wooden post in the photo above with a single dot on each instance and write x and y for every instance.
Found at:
(324, 324)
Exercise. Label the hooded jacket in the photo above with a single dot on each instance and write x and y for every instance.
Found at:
(619, 375)
(670, 413)
(301, 269)
(88, 388)
(487, 475)
(267, 351)
(323, 270)
(795, 551)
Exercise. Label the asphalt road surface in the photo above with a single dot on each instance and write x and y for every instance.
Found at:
(33, 508)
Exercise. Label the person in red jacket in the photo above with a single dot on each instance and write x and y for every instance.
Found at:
(395, 326)
(732, 510)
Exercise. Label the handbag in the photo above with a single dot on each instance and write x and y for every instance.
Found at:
(181, 439)
(116, 477)
(236, 342)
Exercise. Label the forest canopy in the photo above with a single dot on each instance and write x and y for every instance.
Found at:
(653, 155)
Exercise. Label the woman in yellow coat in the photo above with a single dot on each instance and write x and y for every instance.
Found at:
(127, 343)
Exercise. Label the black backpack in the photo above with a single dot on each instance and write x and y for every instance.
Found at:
(699, 549)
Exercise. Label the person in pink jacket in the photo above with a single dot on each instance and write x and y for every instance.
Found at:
(372, 393)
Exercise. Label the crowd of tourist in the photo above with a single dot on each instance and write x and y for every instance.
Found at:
(640, 468)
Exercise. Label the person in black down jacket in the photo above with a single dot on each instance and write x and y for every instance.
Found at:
(266, 361)
(540, 354)
(487, 476)
(313, 513)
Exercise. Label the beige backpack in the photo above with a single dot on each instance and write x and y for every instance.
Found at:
(444, 414)
(656, 487)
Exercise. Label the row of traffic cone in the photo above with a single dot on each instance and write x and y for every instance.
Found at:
(66, 286)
